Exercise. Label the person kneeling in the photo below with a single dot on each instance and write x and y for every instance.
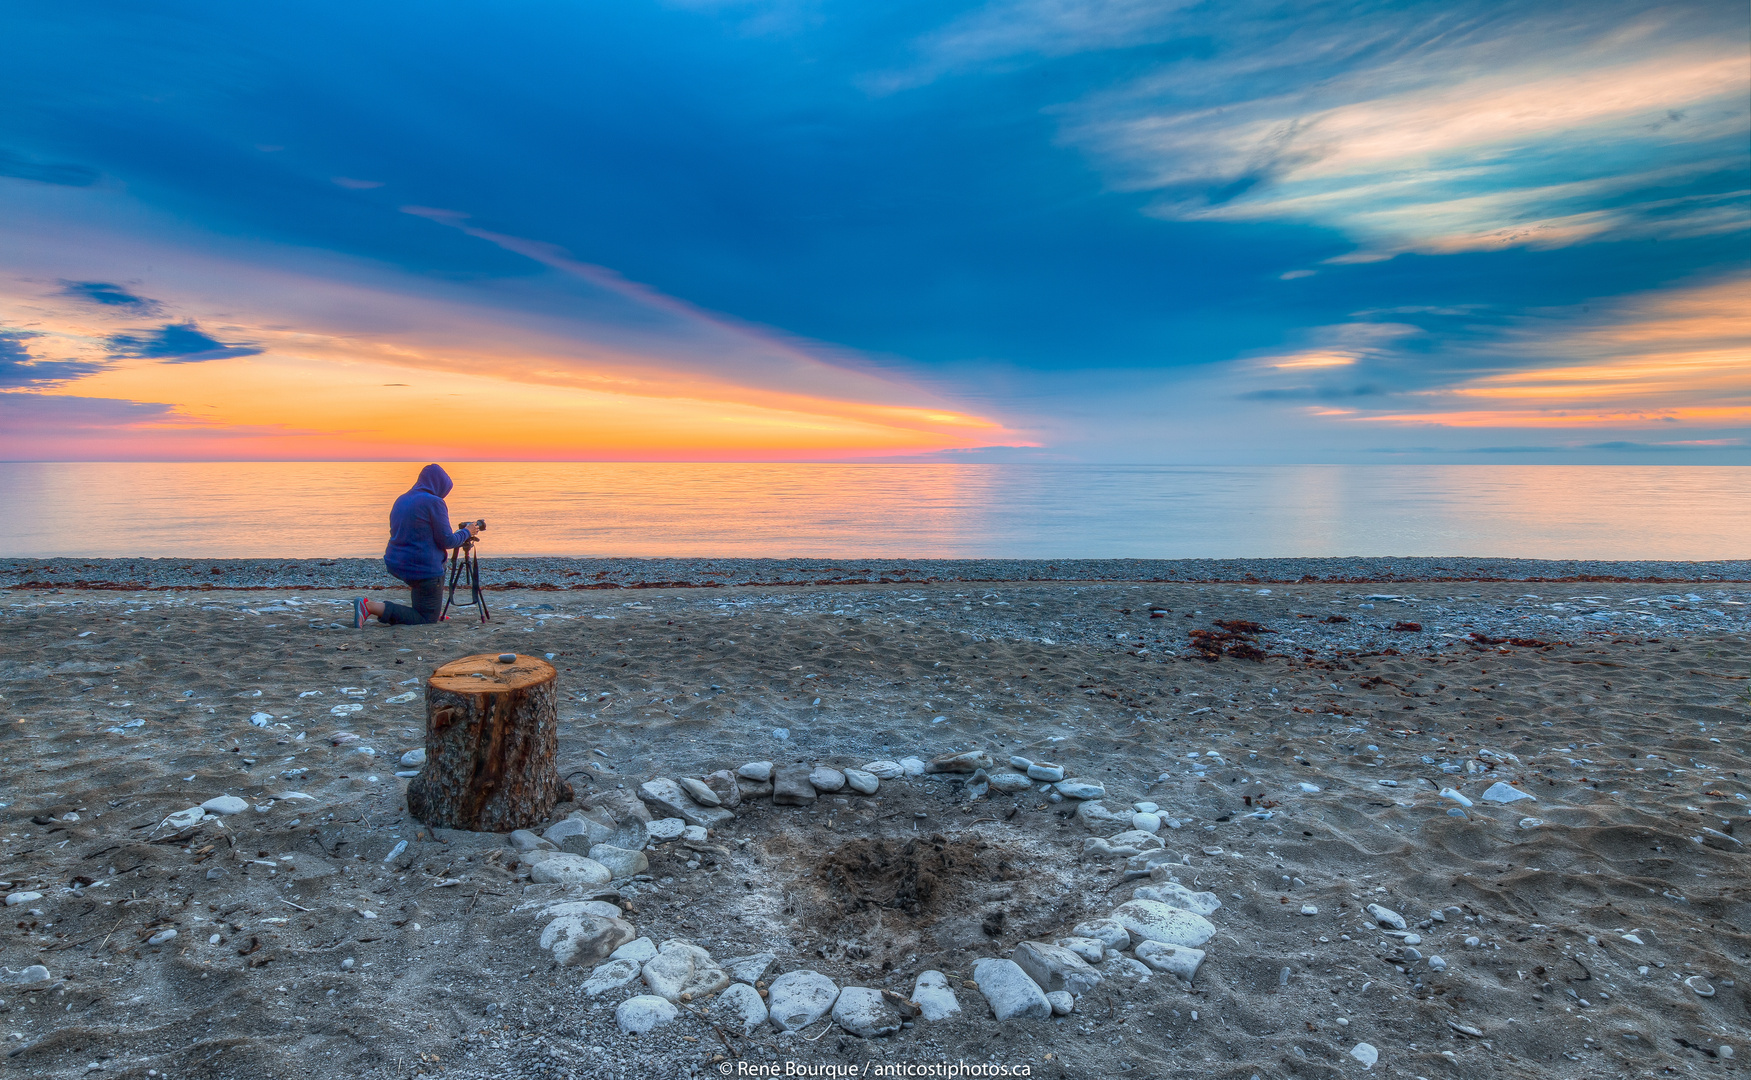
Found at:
(419, 540)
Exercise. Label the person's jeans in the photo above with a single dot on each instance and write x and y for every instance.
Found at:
(428, 602)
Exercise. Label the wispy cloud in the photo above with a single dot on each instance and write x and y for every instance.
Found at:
(175, 343)
(110, 295)
(18, 368)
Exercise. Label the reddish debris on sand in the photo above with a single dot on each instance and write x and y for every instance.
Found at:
(1408, 627)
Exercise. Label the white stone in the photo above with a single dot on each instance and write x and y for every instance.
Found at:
(1079, 788)
(668, 828)
(1173, 894)
(1531, 822)
(693, 834)
(562, 869)
(1009, 991)
(1063, 1004)
(1087, 948)
(934, 996)
(1149, 823)
(1436, 963)
(1366, 1054)
(861, 781)
(750, 969)
(827, 780)
(1506, 793)
(35, 973)
(620, 862)
(1145, 807)
(638, 950)
(1045, 770)
(1176, 960)
(865, 1013)
(699, 791)
(17, 898)
(885, 770)
(161, 937)
(913, 766)
(1309, 909)
(183, 819)
(1386, 916)
(1135, 838)
(757, 771)
(1449, 793)
(414, 758)
(1109, 932)
(740, 1008)
(611, 976)
(1055, 967)
(583, 940)
(797, 999)
(1096, 818)
(638, 1015)
(682, 968)
(1151, 920)
(1010, 783)
(1311, 789)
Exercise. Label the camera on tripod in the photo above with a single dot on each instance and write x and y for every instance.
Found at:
(479, 526)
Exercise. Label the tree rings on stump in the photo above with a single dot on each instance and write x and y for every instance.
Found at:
(492, 736)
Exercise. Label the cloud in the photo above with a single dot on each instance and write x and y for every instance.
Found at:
(108, 295)
(175, 343)
(18, 368)
(356, 185)
(66, 175)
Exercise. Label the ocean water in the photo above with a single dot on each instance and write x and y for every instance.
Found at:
(328, 509)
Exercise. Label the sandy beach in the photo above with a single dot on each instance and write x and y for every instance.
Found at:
(1318, 752)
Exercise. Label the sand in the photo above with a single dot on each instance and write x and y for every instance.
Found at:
(1630, 730)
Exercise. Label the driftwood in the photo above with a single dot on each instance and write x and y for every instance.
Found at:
(492, 735)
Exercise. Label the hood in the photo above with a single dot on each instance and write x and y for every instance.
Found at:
(433, 481)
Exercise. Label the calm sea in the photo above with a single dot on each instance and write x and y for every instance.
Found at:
(322, 509)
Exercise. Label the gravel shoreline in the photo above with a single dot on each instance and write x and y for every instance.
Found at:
(564, 573)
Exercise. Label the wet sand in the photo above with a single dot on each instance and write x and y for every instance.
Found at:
(125, 707)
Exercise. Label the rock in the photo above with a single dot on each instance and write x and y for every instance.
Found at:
(1109, 932)
(1124, 967)
(755, 789)
(666, 828)
(739, 1008)
(17, 898)
(936, 1000)
(1149, 823)
(708, 817)
(1309, 909)
(1437, 963)
(162, 937)
(1097, 819)
(969, 762)
(1097, 847)
(1019, 762)
(1145, 807)
(666, 797)
(1176, 960)
(524, 840)
(1135, 838)
(979, 784)
(583, 833)
(35, 973)
(1386, 916)
(693, 834)
(1449, 793)
(913, 766)
(1009, 991)
(1061, 1001)
(183, 819)
(791, 787)
(758, 771)
(1055, 967)
(1079, 788)
(562, 869)
(699, 791)
(638, 950)
(632, 835)
(620, 862)
(683, 968)
(1151, 920)
(1087, 948)
(638, 1015)
(584, 940)
(797, 999)
(622, 805)
(582, 907)
(1531, 822)
(611, 976)
(723, 785)
(825, 779)
(1146, 862)
(750, 969)
(531, 858)
(1366, 1054)
(1506, 793)
(1173, 894)
(413, 759)
(885, 770)
(1010, 782)
(864, 783)
(865, 1013)
(1045, 770)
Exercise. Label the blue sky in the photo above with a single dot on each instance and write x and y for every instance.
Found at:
(1101, 231)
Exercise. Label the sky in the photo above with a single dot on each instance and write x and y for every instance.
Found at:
(1018, 230)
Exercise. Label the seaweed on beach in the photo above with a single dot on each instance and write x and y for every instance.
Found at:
(1232, 637)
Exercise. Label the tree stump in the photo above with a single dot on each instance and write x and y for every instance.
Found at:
(492, 734)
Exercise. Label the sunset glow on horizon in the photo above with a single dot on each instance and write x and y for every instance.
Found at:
(1002, 230)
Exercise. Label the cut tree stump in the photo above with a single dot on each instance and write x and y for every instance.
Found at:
(492, 734)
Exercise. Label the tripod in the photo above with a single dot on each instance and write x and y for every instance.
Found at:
(464, 560)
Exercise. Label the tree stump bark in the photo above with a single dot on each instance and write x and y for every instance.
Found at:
(492, 734)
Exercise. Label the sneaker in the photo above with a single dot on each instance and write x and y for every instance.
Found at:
(360, 614)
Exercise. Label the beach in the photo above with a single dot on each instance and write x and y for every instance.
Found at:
(1317, 738)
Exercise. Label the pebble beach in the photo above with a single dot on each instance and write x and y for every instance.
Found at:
(1297, 817)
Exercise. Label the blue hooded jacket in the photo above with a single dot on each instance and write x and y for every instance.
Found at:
(419, 528)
